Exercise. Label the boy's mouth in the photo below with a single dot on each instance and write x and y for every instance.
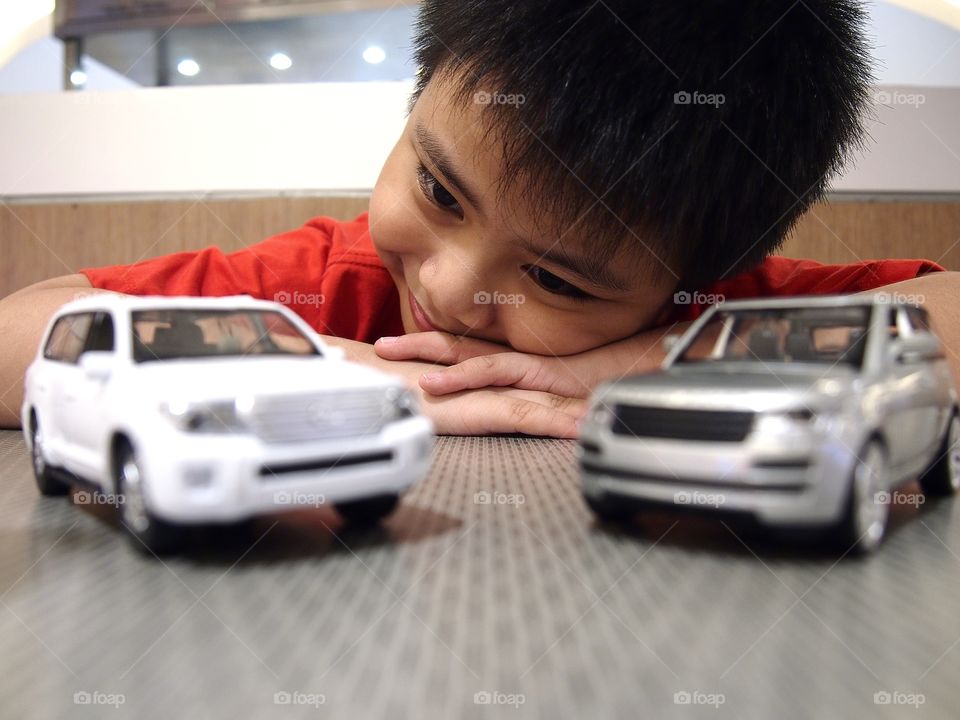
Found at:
(420, 318)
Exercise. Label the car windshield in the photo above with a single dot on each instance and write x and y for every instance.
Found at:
(808, 335)
(172, 334)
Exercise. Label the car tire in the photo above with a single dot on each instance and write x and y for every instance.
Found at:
(864, 521)
(148, 533)
(942, 478)
(609, 509)
(369, 510)
(47, 482)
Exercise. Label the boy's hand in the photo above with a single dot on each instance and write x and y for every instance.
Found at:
(479, 363)
(479, 412)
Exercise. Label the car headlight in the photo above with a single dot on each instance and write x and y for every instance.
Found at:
(601, 415)
(222, 416)
(399, 404)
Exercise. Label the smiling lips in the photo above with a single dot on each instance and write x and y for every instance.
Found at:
(420, 318)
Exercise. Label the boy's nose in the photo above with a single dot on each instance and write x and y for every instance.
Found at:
(454, 290)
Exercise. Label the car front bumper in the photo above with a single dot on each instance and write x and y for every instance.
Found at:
(212, 477)
(781, 475)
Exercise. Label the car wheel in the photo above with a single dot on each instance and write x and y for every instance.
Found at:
(942, 478)
(148, 532)
(609, 509)
(47, 483)
(864, 522)
(368, 510)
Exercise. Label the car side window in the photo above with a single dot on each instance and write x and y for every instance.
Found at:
(919, 319)
(101, 337)
(893, 325)
(68, 337)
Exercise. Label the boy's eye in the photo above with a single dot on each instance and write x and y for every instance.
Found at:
(556, 285)
(437, 193)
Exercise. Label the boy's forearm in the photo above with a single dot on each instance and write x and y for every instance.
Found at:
(23, 318)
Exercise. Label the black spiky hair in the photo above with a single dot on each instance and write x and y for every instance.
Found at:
(699, 131)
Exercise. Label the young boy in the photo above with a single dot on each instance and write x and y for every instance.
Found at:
(571, 175)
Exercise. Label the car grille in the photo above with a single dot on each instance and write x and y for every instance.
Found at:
(323, 416)
(705, 425)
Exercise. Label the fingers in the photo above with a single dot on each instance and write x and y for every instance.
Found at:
(437, 347)
(527, 417)
(506, 410)
(525, 372)
(483, 371)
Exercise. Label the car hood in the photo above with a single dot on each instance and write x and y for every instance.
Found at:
(210, 379)
(736, 386)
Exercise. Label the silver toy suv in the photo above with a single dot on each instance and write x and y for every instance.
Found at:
(799, 412)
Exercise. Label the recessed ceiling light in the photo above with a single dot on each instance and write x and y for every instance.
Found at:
(374, 55)
(78, 77)
(188, 67)
(280, 61)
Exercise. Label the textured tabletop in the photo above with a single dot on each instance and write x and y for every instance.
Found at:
(490, 593)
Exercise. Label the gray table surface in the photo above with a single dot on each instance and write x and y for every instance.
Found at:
(525, 602)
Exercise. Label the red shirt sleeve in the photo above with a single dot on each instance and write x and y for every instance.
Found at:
(780, 276)
(327, 271)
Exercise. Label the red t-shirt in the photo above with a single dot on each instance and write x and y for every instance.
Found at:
(329, 273)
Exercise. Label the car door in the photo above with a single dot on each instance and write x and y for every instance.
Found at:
(56, 387)
(897, 387)
(87, 419)
(932, 399)
(916, 390)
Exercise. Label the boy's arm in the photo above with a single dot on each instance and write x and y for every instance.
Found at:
(476, 363)
(23, 317)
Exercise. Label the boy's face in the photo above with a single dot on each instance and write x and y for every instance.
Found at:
(474, 266)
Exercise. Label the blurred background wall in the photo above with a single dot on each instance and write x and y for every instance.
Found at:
(199, 132)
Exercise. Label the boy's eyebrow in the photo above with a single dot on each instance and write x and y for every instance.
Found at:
(438, 155)
(589, 268)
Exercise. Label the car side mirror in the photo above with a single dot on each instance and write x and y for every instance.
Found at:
(916, 348)
(334, 353)
(97, 365)
(670, 342)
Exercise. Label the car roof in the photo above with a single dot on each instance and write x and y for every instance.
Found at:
(113, 301)
(813, 301)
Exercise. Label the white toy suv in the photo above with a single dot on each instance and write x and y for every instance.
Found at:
(195, 410)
